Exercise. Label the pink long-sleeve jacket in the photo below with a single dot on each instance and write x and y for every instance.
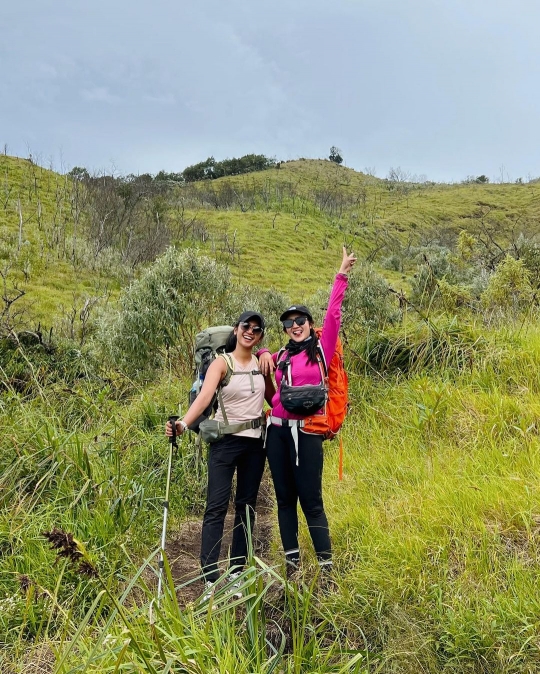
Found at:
(302, 371)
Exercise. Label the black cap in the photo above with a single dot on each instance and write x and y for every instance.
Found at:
(296, 309)
(251, 314)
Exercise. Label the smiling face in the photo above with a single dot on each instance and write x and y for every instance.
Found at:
(298, 332)
(248, 333)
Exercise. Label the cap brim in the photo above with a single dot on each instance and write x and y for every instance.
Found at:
(295, 311)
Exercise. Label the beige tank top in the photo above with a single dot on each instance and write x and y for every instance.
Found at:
(240, 401)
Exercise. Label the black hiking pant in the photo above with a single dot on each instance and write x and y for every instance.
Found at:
(302, 482)
(247, 457)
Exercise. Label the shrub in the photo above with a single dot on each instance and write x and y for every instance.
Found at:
(509, 286)
(159, 314)
(454, 296)
(271, 304)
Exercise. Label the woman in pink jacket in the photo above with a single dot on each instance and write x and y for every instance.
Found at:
(296, 457)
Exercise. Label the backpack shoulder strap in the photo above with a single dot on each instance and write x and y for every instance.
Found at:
(230, 368)
(226, 379)
(322, 360)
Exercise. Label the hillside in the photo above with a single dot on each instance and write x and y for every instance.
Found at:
(43, 252)
(274, 228)
(307, 206)
(435, 519)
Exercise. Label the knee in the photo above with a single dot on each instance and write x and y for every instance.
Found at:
(286, 504)
(313, 509)
(215, 512)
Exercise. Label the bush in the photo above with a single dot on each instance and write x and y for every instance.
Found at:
(159, 315)
(425, 347)
(270, 303)
(509, 287)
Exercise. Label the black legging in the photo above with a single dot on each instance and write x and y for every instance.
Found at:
(246, 456)
(302, 482)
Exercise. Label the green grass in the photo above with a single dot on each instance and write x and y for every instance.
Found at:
(435, 526)
(286, 236)
(56, 283)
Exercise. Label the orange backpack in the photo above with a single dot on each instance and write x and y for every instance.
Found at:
(335, 410)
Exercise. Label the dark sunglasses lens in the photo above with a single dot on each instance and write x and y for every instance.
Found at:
(255, 329)
(289, 322)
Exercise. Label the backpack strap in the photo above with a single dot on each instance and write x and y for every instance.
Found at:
(322, 359)
(226, 379)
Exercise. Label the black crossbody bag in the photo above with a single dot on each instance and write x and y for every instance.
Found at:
(303, 400)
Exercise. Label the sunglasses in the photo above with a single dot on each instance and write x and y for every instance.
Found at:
(246, 327)
(289, 322)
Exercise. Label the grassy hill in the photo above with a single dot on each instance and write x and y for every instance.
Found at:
(43, 251)
(435, 524)
(275, 228)
(308, 206)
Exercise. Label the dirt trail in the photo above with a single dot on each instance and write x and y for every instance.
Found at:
(183, 546)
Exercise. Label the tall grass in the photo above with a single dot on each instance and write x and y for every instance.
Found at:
(436, 521)
(271, 628)
(435, 526)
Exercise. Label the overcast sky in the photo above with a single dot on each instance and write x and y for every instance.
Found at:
(444, 88)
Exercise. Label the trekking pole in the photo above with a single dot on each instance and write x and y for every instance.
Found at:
(172, 446)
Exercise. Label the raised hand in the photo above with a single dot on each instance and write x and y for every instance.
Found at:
(348, 262)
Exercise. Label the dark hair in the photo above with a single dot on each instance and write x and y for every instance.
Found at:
(312, 350)
(230, 344)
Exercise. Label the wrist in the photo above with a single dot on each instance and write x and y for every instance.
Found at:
(182, 424)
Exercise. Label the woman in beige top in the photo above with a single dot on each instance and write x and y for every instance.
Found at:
(243, 451)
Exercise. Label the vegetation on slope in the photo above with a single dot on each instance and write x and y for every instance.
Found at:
(435, 524)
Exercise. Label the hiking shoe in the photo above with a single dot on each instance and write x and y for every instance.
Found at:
(236, 592)
(209, 589)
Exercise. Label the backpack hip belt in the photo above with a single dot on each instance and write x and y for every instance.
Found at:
(212, 429)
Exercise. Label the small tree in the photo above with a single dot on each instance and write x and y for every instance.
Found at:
(335, 155)
(159, 314)
(79, 173)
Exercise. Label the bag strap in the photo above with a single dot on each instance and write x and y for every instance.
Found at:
(322, 359)
(230, 371)
(287, 370)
